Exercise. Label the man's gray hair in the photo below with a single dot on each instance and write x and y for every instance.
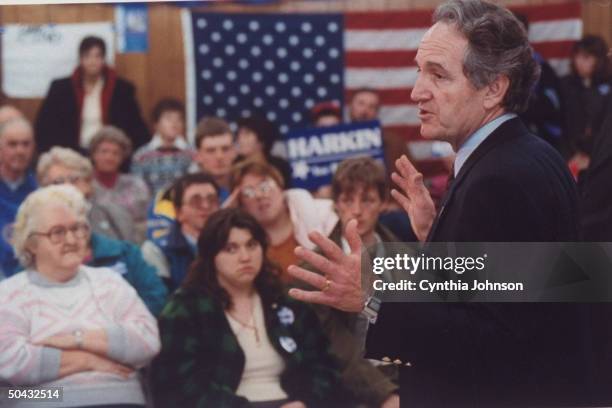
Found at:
(497, 45)
(65, 157)
(111, 134)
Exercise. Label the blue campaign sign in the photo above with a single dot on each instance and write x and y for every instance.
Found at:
(314, 153)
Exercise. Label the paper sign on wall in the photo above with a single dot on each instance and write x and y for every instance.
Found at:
(34, 55)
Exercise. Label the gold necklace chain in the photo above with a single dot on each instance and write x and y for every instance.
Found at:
(251, 325)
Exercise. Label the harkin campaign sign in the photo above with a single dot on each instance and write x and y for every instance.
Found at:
(315, 153)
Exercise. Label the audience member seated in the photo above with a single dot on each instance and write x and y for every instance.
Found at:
(195, 197)
(168, 155)
(585, 92)
(232, 338)
(61, 165)
(328, 113)
(65, 324)
(109, 148)
(76, 107)
(215, 152)
(16, 181)
(360, 190)
(254, 140)
(287, 216)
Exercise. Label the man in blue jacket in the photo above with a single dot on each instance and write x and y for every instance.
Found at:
(194, 197)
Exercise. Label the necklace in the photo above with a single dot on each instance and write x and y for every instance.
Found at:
(250, 325)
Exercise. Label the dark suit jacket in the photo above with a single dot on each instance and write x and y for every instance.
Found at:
(514, 187)
(58, 121)
(596, 194)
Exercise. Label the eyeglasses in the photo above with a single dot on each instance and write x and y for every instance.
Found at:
(199, 201)
(262, 188)
(70, 179)
(57, 234)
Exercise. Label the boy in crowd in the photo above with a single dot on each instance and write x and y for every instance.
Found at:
(168, 155)
(359, 191)
(216, 151)
(215, 154)
(195, 197)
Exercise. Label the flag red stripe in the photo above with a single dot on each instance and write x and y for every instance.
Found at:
(388, 20)
(379, 59)
(554, 49)
(550, 12)
(398, 59)
(398, 96)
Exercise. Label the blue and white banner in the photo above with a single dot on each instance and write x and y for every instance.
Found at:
(132, 22)
(315, 153)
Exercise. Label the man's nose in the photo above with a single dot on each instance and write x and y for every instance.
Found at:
(419, 91)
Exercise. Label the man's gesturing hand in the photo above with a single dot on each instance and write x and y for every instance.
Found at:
(414, 198)
(340, 284)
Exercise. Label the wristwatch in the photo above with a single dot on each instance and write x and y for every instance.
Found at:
(78, 338)
(371, 308)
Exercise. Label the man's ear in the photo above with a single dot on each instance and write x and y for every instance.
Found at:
(496, 91)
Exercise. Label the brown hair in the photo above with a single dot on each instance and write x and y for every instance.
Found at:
(210, 126)
(257, 167)
(359, 171)
(167, 105)
(202, 275)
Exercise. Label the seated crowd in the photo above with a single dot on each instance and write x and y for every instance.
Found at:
(92, 256)
(167, 285)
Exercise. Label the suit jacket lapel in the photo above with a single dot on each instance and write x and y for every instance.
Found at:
(507, 130)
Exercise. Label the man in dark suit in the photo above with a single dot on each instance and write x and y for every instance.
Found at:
(476, 71)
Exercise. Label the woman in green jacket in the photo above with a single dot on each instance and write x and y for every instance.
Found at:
(232, 338)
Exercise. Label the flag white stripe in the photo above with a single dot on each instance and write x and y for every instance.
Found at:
(556, 30)
(384, 78)
(383, 40)
(190, 82)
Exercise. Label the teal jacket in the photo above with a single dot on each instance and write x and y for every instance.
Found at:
(201, 362)
(126, 259)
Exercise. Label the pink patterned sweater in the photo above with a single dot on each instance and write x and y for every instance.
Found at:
(33, 308)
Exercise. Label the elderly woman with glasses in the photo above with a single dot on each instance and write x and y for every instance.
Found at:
(61, 165)
(109, 148)
(232, 338)
(65, 324)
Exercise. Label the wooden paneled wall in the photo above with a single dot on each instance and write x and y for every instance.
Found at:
(160, 72)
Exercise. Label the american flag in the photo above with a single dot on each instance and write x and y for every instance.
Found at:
(280, 65)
